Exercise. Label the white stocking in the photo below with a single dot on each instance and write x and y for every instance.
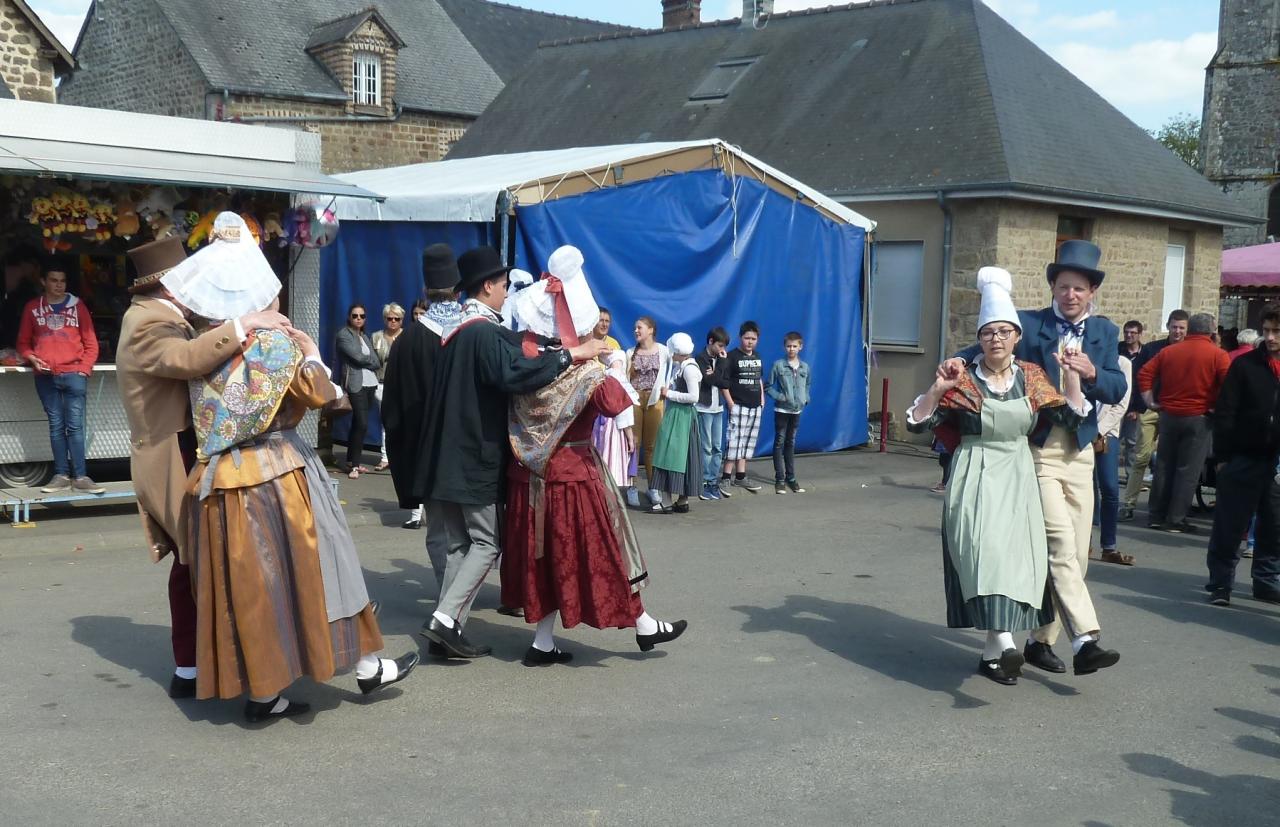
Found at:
(542, 639)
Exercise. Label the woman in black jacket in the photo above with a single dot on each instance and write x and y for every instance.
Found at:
(359, 364)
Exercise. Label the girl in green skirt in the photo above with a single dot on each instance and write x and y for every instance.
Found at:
(677, 453)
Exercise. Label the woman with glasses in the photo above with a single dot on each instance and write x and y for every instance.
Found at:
(358, 367)
(393, 326)
(995, 555)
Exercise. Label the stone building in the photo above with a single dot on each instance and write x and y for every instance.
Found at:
(1240, 136)
(31, 58)
(936, 118)
(385, 83)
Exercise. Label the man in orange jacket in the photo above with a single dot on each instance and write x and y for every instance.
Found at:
(1189, 375)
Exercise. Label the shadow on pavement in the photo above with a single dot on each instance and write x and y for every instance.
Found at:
(1216, 799)
(927, 655)
(145, 650)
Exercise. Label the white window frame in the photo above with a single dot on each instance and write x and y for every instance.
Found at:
(891, 324)
(366, 79)
(1175, 272)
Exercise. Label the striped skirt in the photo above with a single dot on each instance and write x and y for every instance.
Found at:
(989, 612)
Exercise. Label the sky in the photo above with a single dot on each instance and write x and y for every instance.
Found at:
(1146, 57)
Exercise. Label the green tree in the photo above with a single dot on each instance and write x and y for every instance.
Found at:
(1181, 134)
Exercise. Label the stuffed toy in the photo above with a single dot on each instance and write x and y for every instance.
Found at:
(255, 229)
(127, 222)
(272, 229)
(78, 215)
(200, 232)
(102, 216)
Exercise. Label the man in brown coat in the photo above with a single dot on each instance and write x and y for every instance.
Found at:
(158, 354)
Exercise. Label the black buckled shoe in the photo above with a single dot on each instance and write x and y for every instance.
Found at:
(182, 688)
(255, 712)
(1093, 657)
(453, 640)
(404, 665)
(537, 657)
(647, 642)
(1004, 670)
(1041, 656)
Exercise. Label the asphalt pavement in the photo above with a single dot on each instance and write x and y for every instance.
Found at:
(817, 684)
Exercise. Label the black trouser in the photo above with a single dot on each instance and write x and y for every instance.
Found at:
(1246, 486)
(361, 401)
(944, 459)
(785, 426)
(1183, 448)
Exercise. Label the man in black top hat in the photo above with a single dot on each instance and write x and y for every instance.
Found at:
(479, 364)
(1066, 335)
(408, 392)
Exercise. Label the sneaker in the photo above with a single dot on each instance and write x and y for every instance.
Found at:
(633, 498)
(87, 486)
(779, 487)
(747, 483)
(794, 485)
(1220, 597)
(713, 490)
(1183, 527)
(1125, 515)
(706, 492)
(59, 483)
(725, 486)
(1248, 552)
(938, 489)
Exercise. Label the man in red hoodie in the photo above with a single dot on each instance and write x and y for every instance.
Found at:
(56, 337)
(1189, 375)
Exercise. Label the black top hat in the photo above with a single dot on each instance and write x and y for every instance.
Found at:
(1078, 257)
(479, 264)
(439, 268)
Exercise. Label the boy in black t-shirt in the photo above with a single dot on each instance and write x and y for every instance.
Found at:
(743, 400)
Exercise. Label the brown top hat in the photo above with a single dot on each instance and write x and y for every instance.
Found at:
(153, 260)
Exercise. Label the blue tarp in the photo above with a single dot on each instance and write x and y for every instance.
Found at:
(665, 248)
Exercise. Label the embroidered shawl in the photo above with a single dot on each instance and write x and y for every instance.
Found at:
(539, 419)
(239, 399)
(967, 396)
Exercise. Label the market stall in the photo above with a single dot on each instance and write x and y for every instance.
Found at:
(84, 185)
(1250, 281)
(695, 234)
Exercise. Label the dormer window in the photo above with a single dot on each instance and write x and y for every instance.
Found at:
(366, 79)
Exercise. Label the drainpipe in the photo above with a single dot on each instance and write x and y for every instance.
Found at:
(945, 324)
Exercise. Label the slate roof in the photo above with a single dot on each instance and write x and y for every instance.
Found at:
(260, 48)
(862, 100)
(507, 36)
(342, 28)
(5, 93)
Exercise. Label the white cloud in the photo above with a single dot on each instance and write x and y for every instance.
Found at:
(1088, 23)
(1143, 73)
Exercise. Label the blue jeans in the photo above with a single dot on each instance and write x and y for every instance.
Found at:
(711, 429)
(1106, 492)
(63, 398)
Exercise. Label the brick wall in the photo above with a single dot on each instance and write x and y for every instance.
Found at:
(28, 75)
(412, 138)
(130, 58)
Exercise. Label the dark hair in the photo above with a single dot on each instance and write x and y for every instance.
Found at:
(55, 264)
(1270, 313)
(719, 335)
(649, 321)
(749, 327)
(420, 304)
(793, 336)
(442, 294)
(604, 310)
(353, 307)
(1134, 323)
(1179, 315)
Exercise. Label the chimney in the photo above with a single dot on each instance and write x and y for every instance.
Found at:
(677, 13)
(753, 10)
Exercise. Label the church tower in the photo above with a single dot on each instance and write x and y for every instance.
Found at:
(1240, 132)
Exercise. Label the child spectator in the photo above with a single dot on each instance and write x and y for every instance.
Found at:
(712, 362)
(743, 398)
(677, 452)
(789, 384)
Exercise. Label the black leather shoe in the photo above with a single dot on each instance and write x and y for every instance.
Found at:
(182, 687)
(435, 650)
(1093, 657)
(255, 712)
(680, 508)
(404, 665)
(1265, 594)
(647, 642)
(376, 605)
(1004, 670)
(412, 525)
(1041, 656)
(510, 612)
(537, 657)
(453, 640)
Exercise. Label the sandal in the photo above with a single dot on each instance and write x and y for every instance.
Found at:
(1113, 556)
(382, 466)
(353, 474)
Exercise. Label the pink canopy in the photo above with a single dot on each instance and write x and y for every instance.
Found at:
(1257, 266)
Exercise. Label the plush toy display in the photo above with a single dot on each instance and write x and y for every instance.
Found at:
(272, 229)
(102, 216)
(127, 222)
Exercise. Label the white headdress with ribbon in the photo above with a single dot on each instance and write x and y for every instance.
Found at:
(227, 278)
(560, 304)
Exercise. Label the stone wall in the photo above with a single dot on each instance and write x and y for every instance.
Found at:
(1240, 138)
(28, 74)
(130, 58)
(412, 138)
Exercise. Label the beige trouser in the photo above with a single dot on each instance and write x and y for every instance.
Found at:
(1066, 494)
(1148, 431)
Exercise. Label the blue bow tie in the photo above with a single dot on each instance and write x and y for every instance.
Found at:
(1066, 328)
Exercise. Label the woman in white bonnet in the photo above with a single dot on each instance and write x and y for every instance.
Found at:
(995, 556)
(677, 452)
(568, 547)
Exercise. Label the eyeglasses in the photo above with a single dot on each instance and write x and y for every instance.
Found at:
(1003, 335)
(357, 315)
(393, 318)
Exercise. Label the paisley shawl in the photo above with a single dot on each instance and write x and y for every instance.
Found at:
(539, 419)
(240, 398)
(967, 396)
